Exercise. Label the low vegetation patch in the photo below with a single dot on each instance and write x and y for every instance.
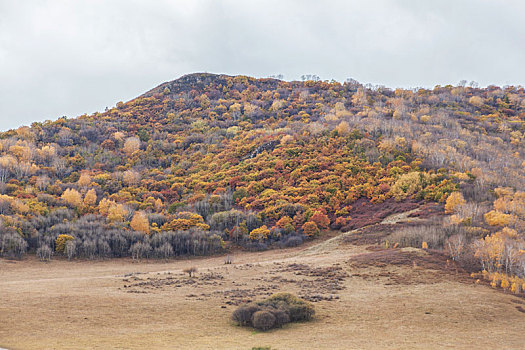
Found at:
(273, 312)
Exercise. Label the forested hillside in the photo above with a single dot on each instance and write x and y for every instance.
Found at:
(209, 160)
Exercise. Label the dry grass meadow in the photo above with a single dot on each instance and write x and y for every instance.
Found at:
(365, 297)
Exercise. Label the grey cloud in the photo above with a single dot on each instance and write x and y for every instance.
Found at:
(72, 57)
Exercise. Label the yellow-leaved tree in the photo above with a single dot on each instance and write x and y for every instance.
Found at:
(60, 242)
(497, 218)
(140, 222)
(131, 145)
(260, 233)
(116, 212)
(72, 197)
(454, 201)
(310, 229)
(407, 185)
(84, 180)
(90, 199)
(131, 177)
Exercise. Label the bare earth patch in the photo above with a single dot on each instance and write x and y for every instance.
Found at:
(365, 297)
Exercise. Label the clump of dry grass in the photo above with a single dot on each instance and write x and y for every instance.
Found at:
(415, 236)
(191, 271)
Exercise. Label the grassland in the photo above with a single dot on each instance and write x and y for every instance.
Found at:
(365, 297)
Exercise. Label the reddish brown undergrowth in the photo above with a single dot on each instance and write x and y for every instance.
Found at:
(365, 213)
(421, 260)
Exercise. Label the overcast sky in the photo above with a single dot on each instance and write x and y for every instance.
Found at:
(72, 57)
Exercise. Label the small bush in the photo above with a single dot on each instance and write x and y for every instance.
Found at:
(263, 320)
(281, 318)
(190, 271)
(243, 315)
(297, 309)
(273, 312)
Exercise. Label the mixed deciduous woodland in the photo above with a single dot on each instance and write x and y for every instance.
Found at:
(207, 162)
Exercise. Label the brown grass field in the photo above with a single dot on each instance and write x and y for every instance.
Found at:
(366, 297)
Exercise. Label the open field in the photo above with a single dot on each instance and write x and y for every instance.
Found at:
(365, 297)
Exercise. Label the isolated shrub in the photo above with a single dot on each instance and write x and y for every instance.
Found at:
(263, 320)
(243, 315)
(297, 309)
(190, 271)
(340, 222)
(273, 312)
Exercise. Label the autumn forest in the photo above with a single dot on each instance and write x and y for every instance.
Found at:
(209, 163)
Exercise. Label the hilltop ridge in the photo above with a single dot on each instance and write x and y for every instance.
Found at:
(199, 81)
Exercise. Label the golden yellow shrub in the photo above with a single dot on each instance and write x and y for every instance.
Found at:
(497, 218)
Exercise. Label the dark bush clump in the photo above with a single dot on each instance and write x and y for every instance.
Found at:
(281, 318)
(243, 315)
(273, 312)
(293, 241)
(263, 320)
(296, 308)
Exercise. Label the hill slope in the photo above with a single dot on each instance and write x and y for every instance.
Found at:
(209, 159)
